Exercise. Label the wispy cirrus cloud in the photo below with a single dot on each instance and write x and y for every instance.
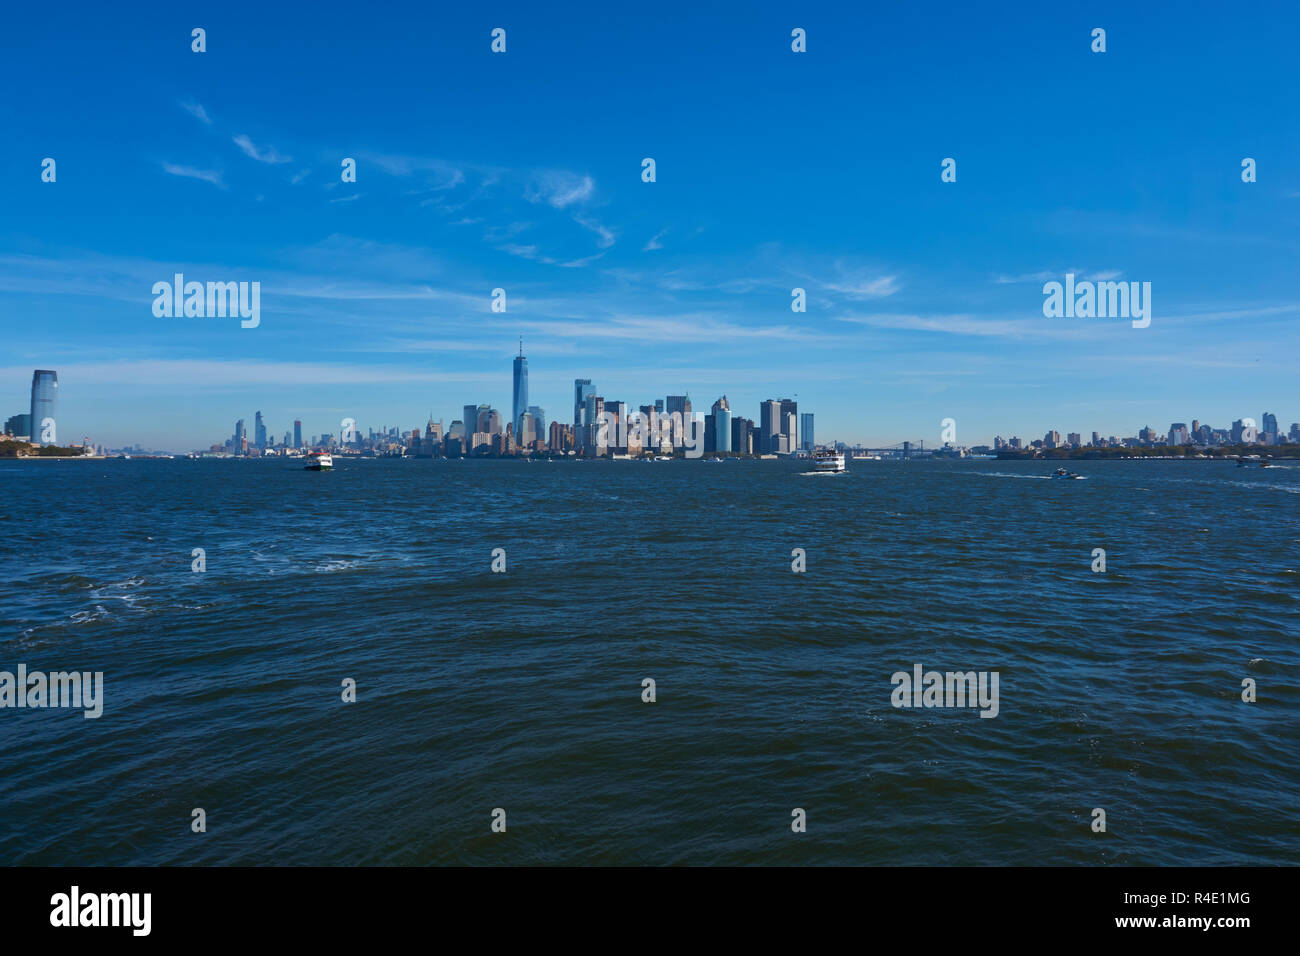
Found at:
(196, 110)
(604, 236)
(559, 188)
(212, 176)
(654, 242)
(1048, 275)
(269, 155)
(864, 288)
(984, 326)
(438, 174)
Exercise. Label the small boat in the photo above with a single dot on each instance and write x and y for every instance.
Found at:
(830, 462)
(1246, 461)
(1062, 473)
(319, 461)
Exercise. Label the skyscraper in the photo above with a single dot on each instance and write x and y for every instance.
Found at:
(240, 435)
(45, 392)
(539, 420)
(582, 390)
(297, 433)
(721, 414)
(790, 423)
(20, 425)
(769, 425)
(591, 414)
(679, 405)
(259, 431)
(1270, 426)
(806, 439)
(527, 431)
(742, 436)
(521, 388)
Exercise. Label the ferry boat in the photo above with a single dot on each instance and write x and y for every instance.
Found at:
(1249, 461)
(319, 461)
(831, 462)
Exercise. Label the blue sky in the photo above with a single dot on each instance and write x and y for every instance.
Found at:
(775, 170)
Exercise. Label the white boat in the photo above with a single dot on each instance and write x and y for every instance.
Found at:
(1062, 473)
(828, 461)
(319, 461)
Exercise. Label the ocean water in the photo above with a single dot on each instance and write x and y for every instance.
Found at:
(522, 690)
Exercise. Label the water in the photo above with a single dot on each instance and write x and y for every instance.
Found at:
(522, 690)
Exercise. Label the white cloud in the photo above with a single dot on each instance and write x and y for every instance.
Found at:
(559, 189)
(654, 242)
(605, 237)
(866, 288)
(207, 175)
(197, 111)
(268, 155)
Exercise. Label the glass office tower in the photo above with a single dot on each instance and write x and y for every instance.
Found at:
(45, 393)
(521, 389)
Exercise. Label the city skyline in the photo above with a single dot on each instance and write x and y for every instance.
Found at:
(774, 417)
(924, 298)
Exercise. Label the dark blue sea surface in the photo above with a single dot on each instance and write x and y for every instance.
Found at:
(523, 690)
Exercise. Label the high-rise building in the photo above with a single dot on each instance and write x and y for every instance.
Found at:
(1178, 434)
(790, 422)
(591, 416)
(240, 438)
(582, 390)
(259, 431)
(44, 409)
(806, 438)
(721, 418)
(521, 387)
(742, 436)
(297, 433)
(616, 414)
(560, 438)
(680, 407)
(539, 420)
(769, 425)
(20, 425)
(1270, 426)
(527, 433)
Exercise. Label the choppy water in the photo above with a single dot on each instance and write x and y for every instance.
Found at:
(522, 690)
